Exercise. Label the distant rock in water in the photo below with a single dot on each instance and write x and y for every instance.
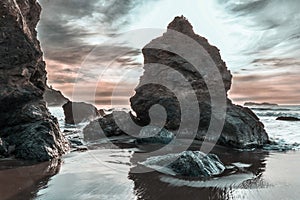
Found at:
(242, 128)
(26, 127)
(187, 163)
(288, 119)
(54, 97)
(77, 112)
(259, 104)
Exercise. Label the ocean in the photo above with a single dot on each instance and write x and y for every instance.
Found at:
(281, 131)
(287, 131)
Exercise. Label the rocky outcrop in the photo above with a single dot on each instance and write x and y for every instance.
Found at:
(26, 126)
(242, 128)
(77, 112)
(54, 97)
(288, 118)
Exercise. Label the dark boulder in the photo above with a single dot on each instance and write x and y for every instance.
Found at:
(197, 164)
(25, 123)
(77, 112)
(187, 163)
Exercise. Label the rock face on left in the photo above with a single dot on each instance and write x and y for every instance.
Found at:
(26, 127)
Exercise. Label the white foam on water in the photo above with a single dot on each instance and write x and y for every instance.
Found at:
(221, 182)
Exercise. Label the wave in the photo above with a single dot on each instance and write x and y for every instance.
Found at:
(278, 114)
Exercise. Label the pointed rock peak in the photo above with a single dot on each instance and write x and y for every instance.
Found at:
(181, 24)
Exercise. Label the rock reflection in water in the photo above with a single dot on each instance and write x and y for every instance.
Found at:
(22, 180)
(245, 170)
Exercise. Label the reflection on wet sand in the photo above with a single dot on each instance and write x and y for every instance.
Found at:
(247, 173)
(105, 173)
(21, 180)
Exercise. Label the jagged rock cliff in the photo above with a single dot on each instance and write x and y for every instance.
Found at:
(242, 128)
(26, 126)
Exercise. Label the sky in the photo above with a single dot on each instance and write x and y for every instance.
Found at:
(93, 47)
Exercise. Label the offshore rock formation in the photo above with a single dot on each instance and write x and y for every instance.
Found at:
(26, 127)
(288, 118)
(242, 128)
(54, 97)
(77, 112)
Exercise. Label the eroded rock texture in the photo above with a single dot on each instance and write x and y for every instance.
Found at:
(26, 126)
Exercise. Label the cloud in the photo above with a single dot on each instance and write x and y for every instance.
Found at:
(244, 7)
(275, 24)
(269, 43)
(270, 34)
(68, 23)
(72, 33)
(278, 62)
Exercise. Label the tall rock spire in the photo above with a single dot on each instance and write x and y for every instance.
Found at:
(242, 128)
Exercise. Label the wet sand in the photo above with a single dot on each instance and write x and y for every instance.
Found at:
(110, 174)
(21, 180)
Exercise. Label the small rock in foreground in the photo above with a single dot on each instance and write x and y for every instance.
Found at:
(187, 163)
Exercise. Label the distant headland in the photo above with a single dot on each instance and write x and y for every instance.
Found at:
(260, 104)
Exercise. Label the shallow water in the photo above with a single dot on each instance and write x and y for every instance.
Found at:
(22, 180)
(98, 174)
(286, 130)
(108, 172)
(111, 174)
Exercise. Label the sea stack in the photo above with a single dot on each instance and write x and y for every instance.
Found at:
(26, 127)
(77, 112)
(242, 128)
